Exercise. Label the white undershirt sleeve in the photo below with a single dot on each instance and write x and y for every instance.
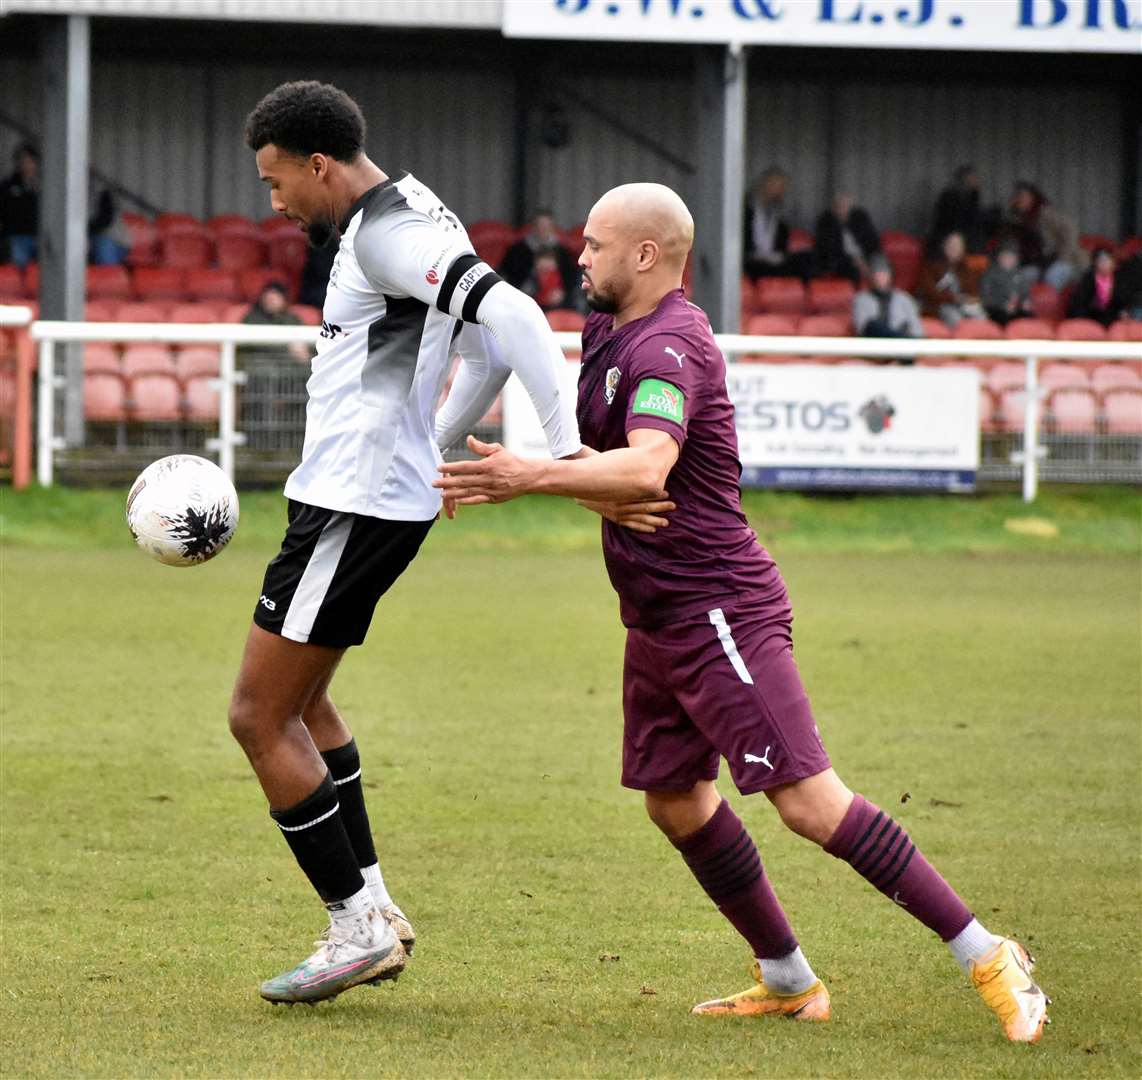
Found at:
(479, 378)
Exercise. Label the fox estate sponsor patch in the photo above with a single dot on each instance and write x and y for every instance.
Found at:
(654, 397)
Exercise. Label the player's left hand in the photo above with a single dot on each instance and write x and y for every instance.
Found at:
(498, 475)
(641, 517)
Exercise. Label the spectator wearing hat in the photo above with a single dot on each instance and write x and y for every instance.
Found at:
(1004, 287)
(881, 310)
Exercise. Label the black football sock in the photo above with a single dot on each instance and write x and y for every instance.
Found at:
(317, 837)
(345, 767)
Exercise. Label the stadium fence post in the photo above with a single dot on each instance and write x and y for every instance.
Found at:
(1031, 431)
(45, 434)
(227, 436)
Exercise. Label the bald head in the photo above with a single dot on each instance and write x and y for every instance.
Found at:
(639, 212)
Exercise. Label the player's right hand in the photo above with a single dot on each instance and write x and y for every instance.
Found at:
(641, 517)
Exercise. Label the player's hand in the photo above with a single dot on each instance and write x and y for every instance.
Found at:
(640, 517)
(497, 476)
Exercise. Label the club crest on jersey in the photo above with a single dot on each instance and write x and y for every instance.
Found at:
(613, 376)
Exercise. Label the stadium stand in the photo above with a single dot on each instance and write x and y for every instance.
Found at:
(1122, 411)
(1110, 376)
(101, 311)
(186, 250)
(240, 251)
(977, 329)
(154, 396)
(108, 283)
(1072, 411)
(1058, 376)
(104, 397)
(201, 311)
(906, 253)
(201, 401)
(142, 311)
(1080, 330)
(159, 283)
(196, 361)
(1046, 302)
(1039, 329)
(780, 296)
(210, 284)
(102, 357)
(145, 359)
(831, 296)
(833, 325)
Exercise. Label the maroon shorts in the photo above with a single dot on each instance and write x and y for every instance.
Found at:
(721, 685)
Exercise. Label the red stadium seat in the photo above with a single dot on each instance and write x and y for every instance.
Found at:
(201, 400)
(906, 253)
(240, 251)
(1122, 410)
(1012, 404)
(831, 296)
(168, 222)
(11, 282)
(1080, 330)
(935, 328)
(287, 250)
(147, 359)
(1006, 376)
(32, 280)
(1046, 302)
(780, 295)
(145, 311)
(973, 329)
(209, 284)
(274, 224)
(1125, 330)
(234, 313)
(186, 250)
(800, 240)
(748, 299)
(204, 311)
(565, 319)
(308, 314)
(1057, 376)
(155, 397)
(987, 418)
(1129, 247)
(104, 397)
(771, 325)
(108, 283)
(159, 283)
(144, 238)
(825, 326)
(100, 310)
(1109, 376)
(196, 361)
(1094, 241)
(1025, 329)
(251, 282)
(1073, 411)
(490, 229)
(101, 356)
(231, 225)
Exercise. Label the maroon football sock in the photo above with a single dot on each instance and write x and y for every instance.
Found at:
(878, 849)
(725, 861)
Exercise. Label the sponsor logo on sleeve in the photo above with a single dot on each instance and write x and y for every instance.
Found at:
(432, 277)
(655, 397)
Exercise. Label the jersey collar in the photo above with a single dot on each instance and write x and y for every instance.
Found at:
(368, 197)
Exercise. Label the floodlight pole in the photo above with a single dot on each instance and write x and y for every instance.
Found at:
(720, 204)
(65, 64)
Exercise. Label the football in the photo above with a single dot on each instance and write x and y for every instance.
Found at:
(182, 510)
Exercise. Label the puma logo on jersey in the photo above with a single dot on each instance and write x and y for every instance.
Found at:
(679, 356)
(267, 603)
(753, 759)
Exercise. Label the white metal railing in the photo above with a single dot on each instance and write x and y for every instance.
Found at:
(227, 336)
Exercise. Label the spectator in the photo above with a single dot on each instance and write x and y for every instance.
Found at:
(948, 288)
(882, 310)
(1099, 294)
(958, 210)
(20, 206)
(108, 240)
(1129, 280)
(1048, 240)
(272, 309)
(765, 243)
(1004, 288)
(541, 266)
(846, 239)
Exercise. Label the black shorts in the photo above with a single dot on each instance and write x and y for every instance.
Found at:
(332, 569)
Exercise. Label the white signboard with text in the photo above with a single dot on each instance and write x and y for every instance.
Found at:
(816, 426)
(1027, 25)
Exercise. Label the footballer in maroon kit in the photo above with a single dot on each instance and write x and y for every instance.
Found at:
(709, 670)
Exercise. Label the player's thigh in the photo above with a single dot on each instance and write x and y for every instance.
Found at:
(663, 751)
(276, 679)
(738, 682)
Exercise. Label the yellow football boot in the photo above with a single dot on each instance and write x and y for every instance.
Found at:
(1003, 979)
(759, 1000)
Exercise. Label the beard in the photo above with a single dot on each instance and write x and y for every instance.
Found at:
(319, 232)
(602, 302)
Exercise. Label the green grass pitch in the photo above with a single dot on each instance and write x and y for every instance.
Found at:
(990, 679)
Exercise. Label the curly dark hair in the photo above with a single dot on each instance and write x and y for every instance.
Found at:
(306, 118)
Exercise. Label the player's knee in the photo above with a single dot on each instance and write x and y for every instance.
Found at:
(246, 721)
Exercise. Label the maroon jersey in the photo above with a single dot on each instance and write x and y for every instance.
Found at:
(665, 371)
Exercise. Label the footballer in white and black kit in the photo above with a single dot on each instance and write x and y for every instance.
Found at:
(407, 294)
(404, 283)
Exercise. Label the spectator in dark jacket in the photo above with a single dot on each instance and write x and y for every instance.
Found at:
(107, 237)
(948, 287)
(272, 309)
(541, 266)
(765, 240)
(20, 206)
(1004, 288)
(958, 210)
(846, 239)
(1048, 240)
(1099, 294)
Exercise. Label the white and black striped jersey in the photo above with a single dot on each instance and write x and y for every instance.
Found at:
(403, 283)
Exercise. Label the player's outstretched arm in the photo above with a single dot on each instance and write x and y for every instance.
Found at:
(633, 473)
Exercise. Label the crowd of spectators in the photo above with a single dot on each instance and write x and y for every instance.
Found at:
(982, 261)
